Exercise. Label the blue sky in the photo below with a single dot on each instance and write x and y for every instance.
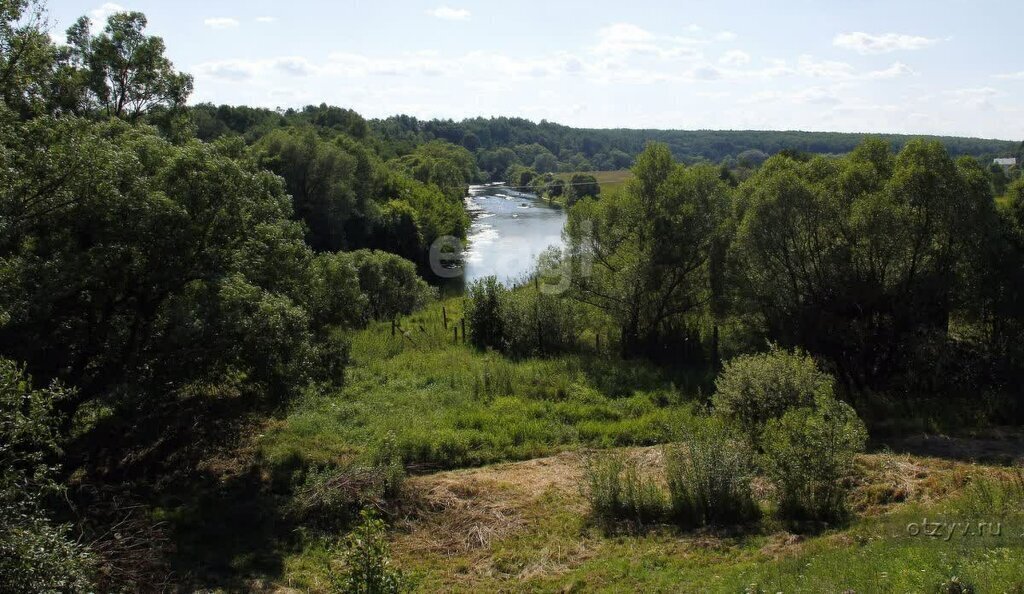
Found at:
(938, 67)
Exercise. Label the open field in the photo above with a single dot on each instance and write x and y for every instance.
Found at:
(448, 405)
(523, 527)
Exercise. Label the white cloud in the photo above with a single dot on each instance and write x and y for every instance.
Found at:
(266, 19)
(1010, 76)
(897, 70)
(735, 58)
(620, 41)
(866, 43)
(221, 23)
(725, 36)
(230, 70)
(828, 69)
(101, 14)
(974, 98)
(447, 13)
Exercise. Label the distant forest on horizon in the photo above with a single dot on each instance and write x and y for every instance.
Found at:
(499, 142)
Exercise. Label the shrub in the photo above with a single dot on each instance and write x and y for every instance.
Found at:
(36, 555)
(484, 313)
(617, 490)
(330, 498)
(390, 284)
(367, 563)
(708, 478)
(754, 389)
(808, 454)
(524, 322)
(538, 324)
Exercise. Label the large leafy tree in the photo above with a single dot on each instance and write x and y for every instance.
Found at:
(124, 72)
(139, 267)
(643, 255)
(855, 258)
(27, 57)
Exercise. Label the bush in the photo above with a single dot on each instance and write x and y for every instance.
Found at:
(367, 563)
(484, 313)
(36, 555)
(390, 284)
(708, 478)
(754, 389)
(330, 498)
(808, 454)
(617, 490)
(524, 322)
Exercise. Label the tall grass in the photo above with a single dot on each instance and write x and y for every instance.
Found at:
(618, 490)
(708, 477)
(449, 405)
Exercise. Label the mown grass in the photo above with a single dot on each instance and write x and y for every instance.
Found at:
(557, 548)
(447, 405)
(562, 552)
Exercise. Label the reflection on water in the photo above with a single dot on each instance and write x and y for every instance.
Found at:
(510, 229)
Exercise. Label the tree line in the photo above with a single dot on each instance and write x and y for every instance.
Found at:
(899, 270)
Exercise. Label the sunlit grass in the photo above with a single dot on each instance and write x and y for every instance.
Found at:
(449, 405)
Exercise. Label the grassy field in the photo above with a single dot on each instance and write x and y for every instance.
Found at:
(609, 180)
(496, 450)
(446, 405)
(524, 527)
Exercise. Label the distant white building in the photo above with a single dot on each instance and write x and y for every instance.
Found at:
(1008, 162)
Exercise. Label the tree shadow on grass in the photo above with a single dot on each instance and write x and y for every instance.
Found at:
(171, 502)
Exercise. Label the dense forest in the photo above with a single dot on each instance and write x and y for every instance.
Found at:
(545, 147)
(222, 345)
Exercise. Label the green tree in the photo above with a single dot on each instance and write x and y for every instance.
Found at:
(36, 554)
(27, 57)
(853, 258)
(643, 255)
(127, 73)
(580, 186)
(324, 179)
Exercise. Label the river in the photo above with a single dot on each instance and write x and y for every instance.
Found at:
(509, 230)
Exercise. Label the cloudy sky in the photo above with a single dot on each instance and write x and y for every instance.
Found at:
(909, 66)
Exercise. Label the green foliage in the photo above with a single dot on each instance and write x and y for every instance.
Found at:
(367, 563)
(531, 320)
(708, 475)
(329, 183)
(580, 186)
(484, 315)
(36, 554)
(389, 284)
(644, 255)
(447, 166)
(754, 389)
(617, 489)
(124, 71)
(857, 259)
(809, 454)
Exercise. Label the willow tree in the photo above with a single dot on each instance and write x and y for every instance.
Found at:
(643, 255)
(858, 258)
